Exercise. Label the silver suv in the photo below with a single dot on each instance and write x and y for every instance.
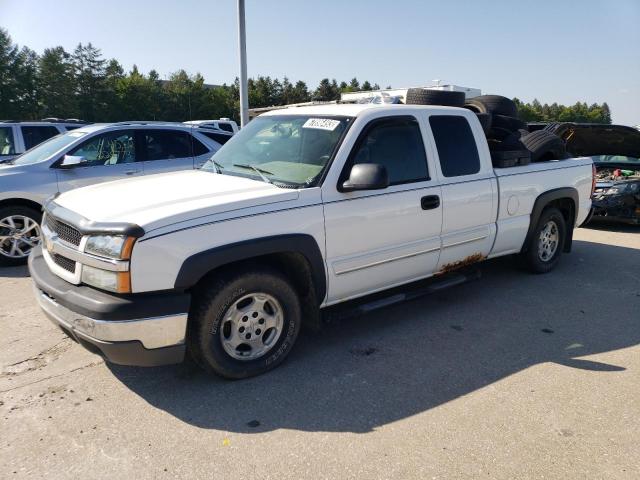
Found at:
(18, 137)
(84, 156)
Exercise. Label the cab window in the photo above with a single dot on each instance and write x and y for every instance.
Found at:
(456, 146)
(396, 144)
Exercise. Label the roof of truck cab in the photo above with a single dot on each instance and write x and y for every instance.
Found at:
(353, 109)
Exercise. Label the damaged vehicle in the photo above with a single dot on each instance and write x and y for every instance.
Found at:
(615, 150)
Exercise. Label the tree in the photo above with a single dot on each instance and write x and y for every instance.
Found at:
(354, 85)
(89, 69)
(8, 81)
(324, 92)
(366, 86)
(301, 92)
(26, 72)
(57, 84)
(580, 112)
(18, 80)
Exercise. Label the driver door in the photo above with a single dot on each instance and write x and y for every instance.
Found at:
(376, 239)
(106, 156)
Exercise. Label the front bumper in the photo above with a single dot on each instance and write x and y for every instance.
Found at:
(142, 330)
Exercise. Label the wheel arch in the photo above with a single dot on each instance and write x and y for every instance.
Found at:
(564, 199)
(298, 256)
(22, 202)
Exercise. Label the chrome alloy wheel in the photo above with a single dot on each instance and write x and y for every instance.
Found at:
(251, 326)
(18, 236)
(548, 241)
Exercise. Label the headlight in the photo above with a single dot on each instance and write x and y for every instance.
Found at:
(112, 246)
(119, 282)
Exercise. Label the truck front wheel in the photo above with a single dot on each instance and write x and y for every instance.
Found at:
(244, 324)
(546, 243)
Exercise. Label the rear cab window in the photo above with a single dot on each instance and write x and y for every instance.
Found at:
(456, 145)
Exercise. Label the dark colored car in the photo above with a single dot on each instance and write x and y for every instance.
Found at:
(616, 154)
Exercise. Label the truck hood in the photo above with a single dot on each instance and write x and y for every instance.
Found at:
(159, 200)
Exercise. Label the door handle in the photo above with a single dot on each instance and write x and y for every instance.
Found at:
(430, 202)
(131, 172)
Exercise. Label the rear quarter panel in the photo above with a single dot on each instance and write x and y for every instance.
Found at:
(519, 187)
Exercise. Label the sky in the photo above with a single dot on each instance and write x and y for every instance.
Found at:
(556, 51)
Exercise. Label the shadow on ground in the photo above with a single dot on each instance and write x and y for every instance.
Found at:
(611, 226)
(14, 272)
(382, 367)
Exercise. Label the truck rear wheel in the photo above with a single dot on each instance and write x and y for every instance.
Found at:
(245, 324)
(545, 246)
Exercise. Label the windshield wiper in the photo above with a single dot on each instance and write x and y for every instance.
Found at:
(258, 170)
(8, 161)
(219, 167)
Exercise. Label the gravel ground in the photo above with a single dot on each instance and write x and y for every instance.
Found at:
(512, 376)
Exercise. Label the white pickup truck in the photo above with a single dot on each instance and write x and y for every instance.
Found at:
(304, 209)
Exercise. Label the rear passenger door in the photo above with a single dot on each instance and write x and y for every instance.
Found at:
(165, 150)
(379, 238)
(468, 193)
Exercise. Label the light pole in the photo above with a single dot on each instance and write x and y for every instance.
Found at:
(242, 41)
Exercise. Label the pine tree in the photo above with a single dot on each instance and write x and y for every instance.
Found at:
(8, 80)
(57, 84)
(89, 69)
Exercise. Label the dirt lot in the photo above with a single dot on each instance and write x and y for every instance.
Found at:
(511, 376)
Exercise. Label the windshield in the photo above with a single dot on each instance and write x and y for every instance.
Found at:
(45, 150)
(289, 151)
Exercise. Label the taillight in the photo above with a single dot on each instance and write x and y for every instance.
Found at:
(593, 179)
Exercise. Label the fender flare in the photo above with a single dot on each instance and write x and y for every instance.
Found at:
(539, 205)
(197, 266)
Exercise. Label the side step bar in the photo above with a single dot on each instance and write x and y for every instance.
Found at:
(404, 293)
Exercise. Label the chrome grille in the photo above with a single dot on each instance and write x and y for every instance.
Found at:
(64, 262)
(63, 231)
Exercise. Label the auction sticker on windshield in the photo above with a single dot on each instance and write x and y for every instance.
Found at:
(321, 123)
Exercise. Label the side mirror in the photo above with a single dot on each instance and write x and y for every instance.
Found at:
(366, 176)
(71, 160)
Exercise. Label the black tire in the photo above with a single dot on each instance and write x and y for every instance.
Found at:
(214, 298)
(17, 210)
(512, 142)
(422, 96)
(485, 121)
(493, 104)
(495, 133)
(544, 145)
(508, 123)
(531, 256)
